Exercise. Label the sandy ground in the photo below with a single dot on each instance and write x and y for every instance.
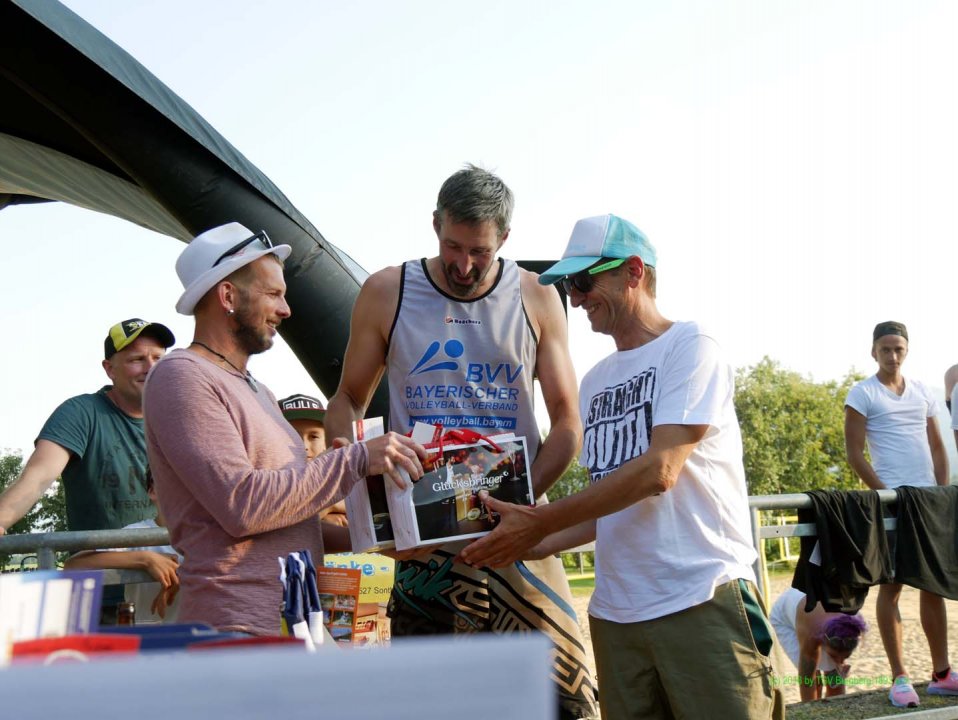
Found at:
(868, 663)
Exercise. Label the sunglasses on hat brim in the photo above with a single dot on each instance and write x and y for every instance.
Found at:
(261, 236)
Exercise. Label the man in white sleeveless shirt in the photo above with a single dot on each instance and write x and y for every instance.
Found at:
(461, 336)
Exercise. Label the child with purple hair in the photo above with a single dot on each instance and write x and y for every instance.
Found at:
(817, 642)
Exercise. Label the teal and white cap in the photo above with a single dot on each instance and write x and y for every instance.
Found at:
(594, 238)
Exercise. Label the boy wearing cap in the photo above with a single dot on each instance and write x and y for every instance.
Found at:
(897, 419)
(306, 414)
(676, 624)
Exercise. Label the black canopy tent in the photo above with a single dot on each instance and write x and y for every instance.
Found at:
(82, 122)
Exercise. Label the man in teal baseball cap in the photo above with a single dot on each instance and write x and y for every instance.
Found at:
(598, 244)
(667, 505)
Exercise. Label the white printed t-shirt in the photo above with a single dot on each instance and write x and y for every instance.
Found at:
(667, 553)
(896, 429)
(954, 407)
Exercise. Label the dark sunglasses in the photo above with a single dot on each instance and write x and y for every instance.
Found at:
(842, 643)
(583, 280)
(261, 236)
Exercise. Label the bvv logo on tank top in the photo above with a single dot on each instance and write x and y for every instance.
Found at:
(445, 388)
(618, 424)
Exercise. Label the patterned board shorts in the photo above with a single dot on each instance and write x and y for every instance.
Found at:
(435, 596)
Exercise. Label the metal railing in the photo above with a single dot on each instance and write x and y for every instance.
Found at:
(800, 501)
(46, 545)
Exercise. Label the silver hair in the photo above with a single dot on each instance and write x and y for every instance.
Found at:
(475, 195)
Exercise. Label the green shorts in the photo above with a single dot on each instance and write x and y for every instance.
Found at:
(711, 660)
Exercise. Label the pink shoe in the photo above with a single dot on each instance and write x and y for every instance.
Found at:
(948, 686)
(902, 694)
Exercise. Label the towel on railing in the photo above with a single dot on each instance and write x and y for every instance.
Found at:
(926, 549)
(853, 547)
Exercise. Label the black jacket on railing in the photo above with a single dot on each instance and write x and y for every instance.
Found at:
(926, 552)
(855, 552)
(853, 547)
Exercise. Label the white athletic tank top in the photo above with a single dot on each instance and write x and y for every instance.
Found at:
(462, 363)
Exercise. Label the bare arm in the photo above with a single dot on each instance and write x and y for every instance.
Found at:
(652, 473)
(336, 538)
(43, 467)
(571, 537)
(810, 683)
(365, 359)
(939, 457)
(557, 379)
(809, 651)
(330, 514)
(855, 449)
(161, 566)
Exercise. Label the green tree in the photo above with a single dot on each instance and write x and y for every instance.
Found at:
(48, 515)
(574, 479)
(793, 433)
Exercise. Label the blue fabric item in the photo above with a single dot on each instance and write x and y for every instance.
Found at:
(311, 590)
(293, 597)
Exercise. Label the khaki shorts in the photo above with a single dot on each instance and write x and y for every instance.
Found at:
(711, 660)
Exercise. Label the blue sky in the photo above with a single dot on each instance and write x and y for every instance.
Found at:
(796, 164)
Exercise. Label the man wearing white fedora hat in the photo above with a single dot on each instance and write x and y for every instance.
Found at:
(231, 473)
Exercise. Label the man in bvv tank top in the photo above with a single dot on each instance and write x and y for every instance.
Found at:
(460, 337)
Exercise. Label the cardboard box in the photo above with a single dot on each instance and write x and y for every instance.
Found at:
(370, 527)
(443, 506)
(48, 604)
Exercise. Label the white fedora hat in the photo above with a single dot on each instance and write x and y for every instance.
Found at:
(215, 255)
